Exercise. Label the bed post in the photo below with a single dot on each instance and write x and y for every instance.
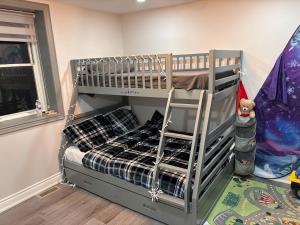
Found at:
(169, 69)
(201, 153)
(69, 116)
(211, 75)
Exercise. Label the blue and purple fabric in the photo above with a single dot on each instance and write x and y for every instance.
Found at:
(278, 115)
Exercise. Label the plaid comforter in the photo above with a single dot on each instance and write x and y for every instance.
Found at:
(131, 157)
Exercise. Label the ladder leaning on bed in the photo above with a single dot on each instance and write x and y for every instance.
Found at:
(151, 76)
(171, 104)
(194, 138)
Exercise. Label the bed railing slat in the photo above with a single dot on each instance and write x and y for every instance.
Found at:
(143, 74)
(103, 74)
(128, 73)
(198, 62)
(122, 73)
(159, 74)
(86, 74)
(151, 73)
(135, 74)
(116, 74)
(81, 73)
(92, 73)
(109, 74)
(97, 74)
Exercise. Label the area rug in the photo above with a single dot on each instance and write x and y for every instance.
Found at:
(250, 202)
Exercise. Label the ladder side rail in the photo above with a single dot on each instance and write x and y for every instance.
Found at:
(202, 150)
(161, 145)
(188, 190)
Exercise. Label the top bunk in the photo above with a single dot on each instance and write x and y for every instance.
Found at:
(156, 75)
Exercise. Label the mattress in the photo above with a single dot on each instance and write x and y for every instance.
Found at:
(132, 156)
(187, 80)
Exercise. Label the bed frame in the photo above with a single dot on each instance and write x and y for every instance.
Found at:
(214, 166)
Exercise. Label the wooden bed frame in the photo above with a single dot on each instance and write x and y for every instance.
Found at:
(214, 167)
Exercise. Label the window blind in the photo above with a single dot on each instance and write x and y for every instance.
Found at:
(16, 26)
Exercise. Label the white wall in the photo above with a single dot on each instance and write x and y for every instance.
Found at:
(261, 28)
(31, 155)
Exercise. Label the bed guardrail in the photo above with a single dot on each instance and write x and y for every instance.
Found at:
(128, 75)
(190, 62)
(151, 75)
(220, 63)
(216, 145)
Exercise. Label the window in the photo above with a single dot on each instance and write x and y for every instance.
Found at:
(28, 67)
(21, 80)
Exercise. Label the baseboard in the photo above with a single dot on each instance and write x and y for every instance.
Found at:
(20, 196)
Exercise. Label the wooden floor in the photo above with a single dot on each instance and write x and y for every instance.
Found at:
(63, 205)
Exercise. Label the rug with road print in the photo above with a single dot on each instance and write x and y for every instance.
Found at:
(249, 202)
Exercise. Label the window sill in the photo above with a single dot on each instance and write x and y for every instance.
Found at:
(27, 121)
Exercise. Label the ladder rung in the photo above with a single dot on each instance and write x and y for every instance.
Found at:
(184, 106)
(177, 135)
(172, 168)
(172, 200)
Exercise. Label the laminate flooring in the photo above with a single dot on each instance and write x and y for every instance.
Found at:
(63, 205)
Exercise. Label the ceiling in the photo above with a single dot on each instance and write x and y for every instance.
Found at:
(124, 6)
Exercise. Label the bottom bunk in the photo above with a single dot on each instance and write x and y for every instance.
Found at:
(121, 169)
(137, 198)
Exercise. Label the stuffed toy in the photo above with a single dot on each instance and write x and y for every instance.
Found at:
(246, 108)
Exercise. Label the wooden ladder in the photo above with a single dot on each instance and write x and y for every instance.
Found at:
(177, 202)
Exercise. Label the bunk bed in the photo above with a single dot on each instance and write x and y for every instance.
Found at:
(197, 82)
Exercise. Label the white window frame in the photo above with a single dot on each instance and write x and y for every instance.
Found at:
(33, 53)
(45, 57)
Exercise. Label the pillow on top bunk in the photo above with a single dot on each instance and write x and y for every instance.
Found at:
(122, 120)
(90, 133)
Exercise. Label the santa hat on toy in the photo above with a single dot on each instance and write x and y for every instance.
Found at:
(241, 94)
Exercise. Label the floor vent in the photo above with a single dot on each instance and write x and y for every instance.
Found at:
(48, 192)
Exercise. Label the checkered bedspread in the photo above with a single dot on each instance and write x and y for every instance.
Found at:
(131, 157)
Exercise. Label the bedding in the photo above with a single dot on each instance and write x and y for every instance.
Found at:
(73, 154)
(187, 80)
(90, 133)
(122, 120)
(131, 157)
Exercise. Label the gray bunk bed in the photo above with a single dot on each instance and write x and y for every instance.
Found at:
(209, 81)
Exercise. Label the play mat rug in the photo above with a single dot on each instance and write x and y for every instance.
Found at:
(250, 202)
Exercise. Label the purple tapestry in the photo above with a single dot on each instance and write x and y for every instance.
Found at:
(278, 115)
